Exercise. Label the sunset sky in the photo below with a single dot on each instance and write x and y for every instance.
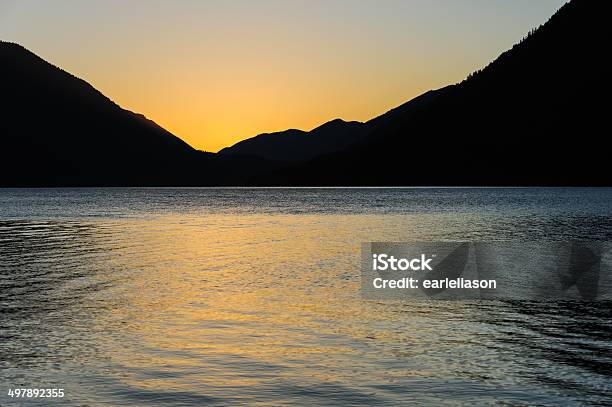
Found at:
(216, 72)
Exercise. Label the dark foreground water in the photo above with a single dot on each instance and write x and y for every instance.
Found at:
(251, 296)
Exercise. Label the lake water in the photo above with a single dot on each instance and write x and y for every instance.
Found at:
(252, 296)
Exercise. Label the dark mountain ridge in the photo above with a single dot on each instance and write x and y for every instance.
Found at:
(535, 116)
(57, 130)
(297, 145)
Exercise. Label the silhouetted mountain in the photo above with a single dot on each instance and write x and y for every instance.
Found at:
(535, 116)
(57, 129)
(297, 145)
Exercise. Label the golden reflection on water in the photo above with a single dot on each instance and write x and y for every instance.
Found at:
(265, 290)
(243, 308)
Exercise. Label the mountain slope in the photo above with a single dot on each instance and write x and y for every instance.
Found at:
(57, 130)
(535, 116)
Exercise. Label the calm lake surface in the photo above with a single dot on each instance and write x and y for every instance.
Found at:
(252, 296)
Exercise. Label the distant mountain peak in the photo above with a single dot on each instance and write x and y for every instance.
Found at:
(298, 145)
(334, 124)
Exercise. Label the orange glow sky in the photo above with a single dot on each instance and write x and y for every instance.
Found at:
(216, 72)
